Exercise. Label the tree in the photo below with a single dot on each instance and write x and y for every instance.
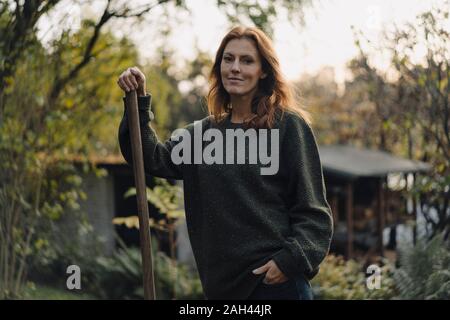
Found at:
(429, 86)
(409, 114)
(39, 182)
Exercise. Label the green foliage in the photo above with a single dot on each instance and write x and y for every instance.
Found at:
(263, 13)
(33, 291)
(61, 244)
(424, 271)
(92, 101)
(175, 280)
(34, 196)
(342, 280)
(166, 98)
(403, 109)
(165, 197)
(120, 277)
(40, 184)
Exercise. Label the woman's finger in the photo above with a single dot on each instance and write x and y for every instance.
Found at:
(140, 77)
(133, 80)
(128, 82)
(268, 280)
(122, 85)
(126, 85)
(262, 269)
(136, 72)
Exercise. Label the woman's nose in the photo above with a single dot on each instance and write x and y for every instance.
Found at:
(235, 66)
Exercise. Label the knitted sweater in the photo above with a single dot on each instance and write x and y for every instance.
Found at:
(238, 219)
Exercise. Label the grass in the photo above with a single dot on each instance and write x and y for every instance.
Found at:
(35, 291)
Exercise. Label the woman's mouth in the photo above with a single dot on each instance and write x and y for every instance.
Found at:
(235, 80)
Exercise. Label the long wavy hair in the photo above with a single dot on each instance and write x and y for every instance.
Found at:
(273, 93)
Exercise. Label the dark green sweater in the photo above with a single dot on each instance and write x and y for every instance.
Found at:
(238, 219)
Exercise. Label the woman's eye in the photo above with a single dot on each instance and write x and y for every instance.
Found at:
(230, 59)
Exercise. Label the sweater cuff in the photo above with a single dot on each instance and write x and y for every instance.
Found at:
(286, 263)
(145, 112)
(144, 102)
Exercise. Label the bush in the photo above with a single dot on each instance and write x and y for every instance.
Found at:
(424, 271)
(49, 262)
(341, 279)
(175, 280)
(120, 277)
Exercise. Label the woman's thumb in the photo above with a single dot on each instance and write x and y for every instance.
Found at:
(261, 270)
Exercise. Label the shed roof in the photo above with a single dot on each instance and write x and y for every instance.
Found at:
(351, 162)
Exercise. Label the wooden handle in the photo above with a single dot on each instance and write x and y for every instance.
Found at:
(142, 205)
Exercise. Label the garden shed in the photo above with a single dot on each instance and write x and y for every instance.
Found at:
(359, 193)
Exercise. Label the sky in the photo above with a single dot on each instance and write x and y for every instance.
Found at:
(326, 39)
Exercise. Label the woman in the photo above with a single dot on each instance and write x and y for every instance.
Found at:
(254, 235)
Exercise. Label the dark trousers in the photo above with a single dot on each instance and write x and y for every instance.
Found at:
(293, 289)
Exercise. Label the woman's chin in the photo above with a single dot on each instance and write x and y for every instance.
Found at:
(235, 92)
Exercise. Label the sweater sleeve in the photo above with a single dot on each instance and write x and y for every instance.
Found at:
(309, 212)
(157, 154)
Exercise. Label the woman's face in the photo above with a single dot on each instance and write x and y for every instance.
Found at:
(240, 67)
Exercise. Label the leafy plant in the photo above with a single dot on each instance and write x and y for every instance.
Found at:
(120, 277)
(39, 183)
(424, 271)
(167, 199)
(341, 279)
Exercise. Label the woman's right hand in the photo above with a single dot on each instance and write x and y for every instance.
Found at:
(132, 79)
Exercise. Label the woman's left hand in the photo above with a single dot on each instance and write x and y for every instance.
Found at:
(273, 273)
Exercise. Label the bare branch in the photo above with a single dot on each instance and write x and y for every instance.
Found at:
(137, 12)
(88, 53)
(60, 83)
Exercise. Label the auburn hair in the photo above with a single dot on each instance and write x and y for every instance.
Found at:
(273, 93)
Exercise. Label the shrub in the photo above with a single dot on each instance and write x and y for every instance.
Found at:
(424, 271)
(341, 279)
(120, 277)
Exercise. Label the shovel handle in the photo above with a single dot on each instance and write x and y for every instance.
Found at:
(142, 205)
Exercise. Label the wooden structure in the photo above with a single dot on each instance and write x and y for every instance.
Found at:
(358, 193)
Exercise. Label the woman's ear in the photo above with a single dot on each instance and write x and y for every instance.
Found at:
(263, 75)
